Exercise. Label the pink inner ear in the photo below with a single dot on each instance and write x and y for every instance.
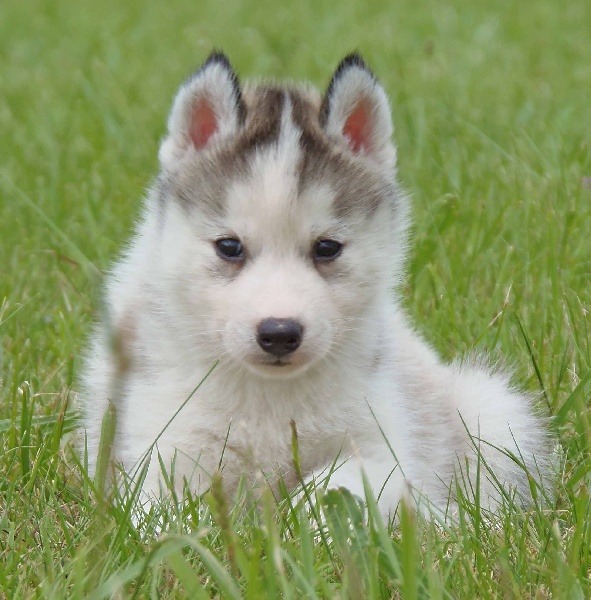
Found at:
(204, 124)
(358, 127)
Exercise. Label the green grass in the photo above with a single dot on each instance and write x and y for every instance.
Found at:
(491, 105)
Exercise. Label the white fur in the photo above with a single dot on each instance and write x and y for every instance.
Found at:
(362, 386)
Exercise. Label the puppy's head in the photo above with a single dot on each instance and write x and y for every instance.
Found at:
(281, 219)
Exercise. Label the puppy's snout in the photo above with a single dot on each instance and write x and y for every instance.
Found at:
(279, 337)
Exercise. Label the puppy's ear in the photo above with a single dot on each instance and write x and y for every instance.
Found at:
(355, 111)
(208, 107)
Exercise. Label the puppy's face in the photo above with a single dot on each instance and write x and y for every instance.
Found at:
(282, 223)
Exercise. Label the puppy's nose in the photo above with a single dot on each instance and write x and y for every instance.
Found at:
(279, 336)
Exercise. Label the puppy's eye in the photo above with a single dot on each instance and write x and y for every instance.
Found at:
(229, 248)
(325, 250)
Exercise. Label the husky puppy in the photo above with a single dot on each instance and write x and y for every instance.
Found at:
(271, 245)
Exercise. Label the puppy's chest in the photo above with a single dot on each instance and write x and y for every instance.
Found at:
(269, 442)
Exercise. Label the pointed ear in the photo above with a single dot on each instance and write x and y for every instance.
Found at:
(207, 107)
(355, 111)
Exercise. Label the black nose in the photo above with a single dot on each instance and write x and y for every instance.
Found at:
(279, 336)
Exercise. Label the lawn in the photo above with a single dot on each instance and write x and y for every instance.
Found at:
(491, 102)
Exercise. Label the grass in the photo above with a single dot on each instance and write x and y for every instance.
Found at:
(491, 105)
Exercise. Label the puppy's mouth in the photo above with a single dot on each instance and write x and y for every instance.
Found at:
(284, 366)
(276, 362)
(280, 363)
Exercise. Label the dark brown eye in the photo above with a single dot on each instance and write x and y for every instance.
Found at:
(229, 249)
(325, 250)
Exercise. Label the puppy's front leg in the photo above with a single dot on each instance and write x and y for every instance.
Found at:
(383, 473)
